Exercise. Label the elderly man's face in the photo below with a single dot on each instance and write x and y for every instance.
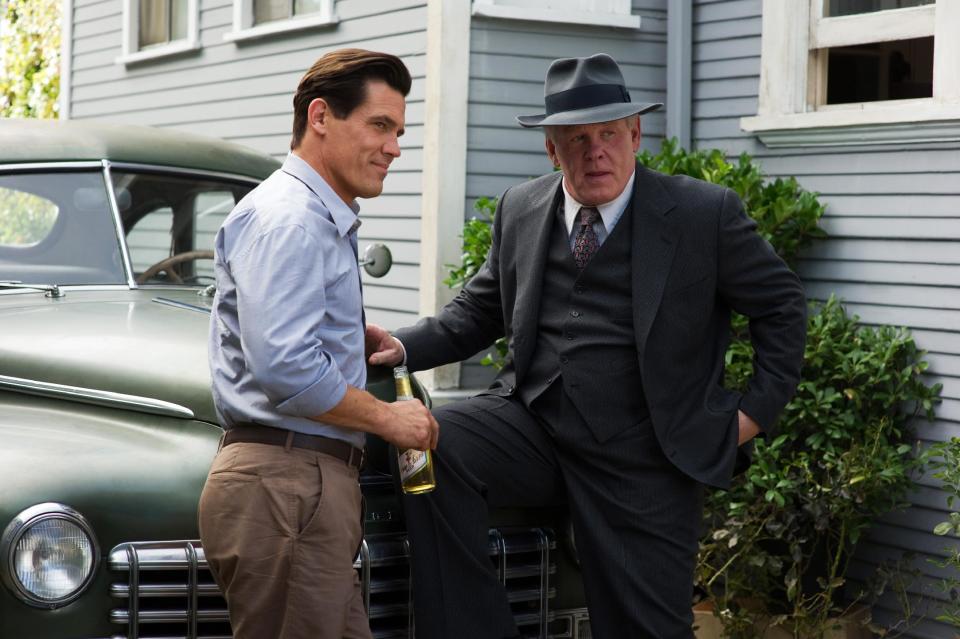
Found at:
(597, 159)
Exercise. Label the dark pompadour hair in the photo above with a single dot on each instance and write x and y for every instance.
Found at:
(340, 77)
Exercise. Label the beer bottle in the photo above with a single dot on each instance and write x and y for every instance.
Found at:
(416, 466)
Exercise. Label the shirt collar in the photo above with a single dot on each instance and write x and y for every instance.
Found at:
(609, 212)
(344, 215)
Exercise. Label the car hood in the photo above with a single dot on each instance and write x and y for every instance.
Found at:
(149, 343)
(114, 470)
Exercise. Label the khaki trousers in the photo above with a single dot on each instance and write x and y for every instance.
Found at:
(280, 528)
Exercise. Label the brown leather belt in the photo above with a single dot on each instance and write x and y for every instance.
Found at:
(258, 434)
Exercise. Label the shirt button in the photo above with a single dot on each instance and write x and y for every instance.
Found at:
(575, 313)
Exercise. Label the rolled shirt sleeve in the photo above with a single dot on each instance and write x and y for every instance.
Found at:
(280, 308)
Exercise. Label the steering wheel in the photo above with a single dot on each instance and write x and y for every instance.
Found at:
(167, 264)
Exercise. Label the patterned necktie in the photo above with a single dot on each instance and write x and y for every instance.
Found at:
(586, 244)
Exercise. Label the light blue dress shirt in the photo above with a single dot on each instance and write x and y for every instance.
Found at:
(286, 332)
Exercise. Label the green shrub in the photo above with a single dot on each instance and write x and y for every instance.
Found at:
(476, 244)
(945, 462)
(785, 532)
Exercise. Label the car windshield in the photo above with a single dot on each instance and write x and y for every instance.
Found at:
(58, 227)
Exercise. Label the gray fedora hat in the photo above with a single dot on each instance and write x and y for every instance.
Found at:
(585, 91)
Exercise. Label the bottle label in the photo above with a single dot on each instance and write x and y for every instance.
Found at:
(404, 389)
(411, 460)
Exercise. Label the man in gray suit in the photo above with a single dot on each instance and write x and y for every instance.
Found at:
(613, 285)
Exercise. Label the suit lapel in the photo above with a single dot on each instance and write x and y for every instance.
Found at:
(534, 225)
(654, 244)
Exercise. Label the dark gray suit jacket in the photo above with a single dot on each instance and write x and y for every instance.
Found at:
(695, 257)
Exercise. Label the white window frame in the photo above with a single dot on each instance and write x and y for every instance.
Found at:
(793, 81)
(244, 28)
(620, 17)
(133, 54)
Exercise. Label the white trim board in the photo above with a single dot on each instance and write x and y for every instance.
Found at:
(792, 79)
(133, 54)
(613, 13)
(444, 160)
(66, 58)
(245, 30)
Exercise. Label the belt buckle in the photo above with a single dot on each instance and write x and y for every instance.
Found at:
(363, 457)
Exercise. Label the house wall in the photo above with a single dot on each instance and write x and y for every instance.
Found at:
(893, 255)
(242, 92)
(508, 62)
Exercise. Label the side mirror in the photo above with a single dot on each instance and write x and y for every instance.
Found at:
(377, 260)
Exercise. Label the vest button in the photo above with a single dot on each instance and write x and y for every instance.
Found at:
(564, 359)
(570, 336)
(578, 289)
(575, 313)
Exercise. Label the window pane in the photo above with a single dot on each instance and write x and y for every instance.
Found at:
(178, 19)
(851, 7)
(58, 228)
(307, 6)
(154, 22)
(164, 215)
(269, 10)
(149, 241)
(25, 218)
(210, 209)
(880, 71)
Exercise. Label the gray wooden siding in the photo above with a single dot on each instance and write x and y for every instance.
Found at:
(508, 61)
(893, 214)
(243, 93)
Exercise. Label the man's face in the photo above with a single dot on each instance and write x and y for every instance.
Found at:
(357, 151)
(597, 159)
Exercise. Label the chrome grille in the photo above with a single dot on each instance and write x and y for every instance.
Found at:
(166, 591)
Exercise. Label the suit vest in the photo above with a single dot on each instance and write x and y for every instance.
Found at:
(585, 333)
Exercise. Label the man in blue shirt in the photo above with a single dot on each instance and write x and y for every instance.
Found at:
(280, 514)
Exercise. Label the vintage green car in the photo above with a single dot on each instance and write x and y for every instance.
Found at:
(107, 425)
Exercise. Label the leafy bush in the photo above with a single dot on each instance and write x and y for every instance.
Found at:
(785, 532)
(476, 244)
(945, 462)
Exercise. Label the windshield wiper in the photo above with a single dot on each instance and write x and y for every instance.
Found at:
(53, 290)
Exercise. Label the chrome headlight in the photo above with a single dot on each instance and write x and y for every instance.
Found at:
(49, 555)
